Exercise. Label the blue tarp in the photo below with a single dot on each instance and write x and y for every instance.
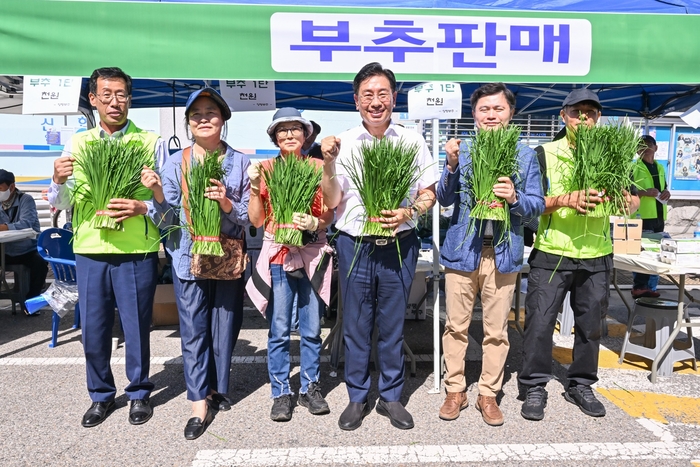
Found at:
(600, 6)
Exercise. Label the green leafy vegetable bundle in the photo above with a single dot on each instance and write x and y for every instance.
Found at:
(603, 159)
(204, 213)
(292, 183)
(494, 154)
(112, 169)
(383, 170)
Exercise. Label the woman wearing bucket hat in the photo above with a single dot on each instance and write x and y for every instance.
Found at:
(210, 310)
(285, 275)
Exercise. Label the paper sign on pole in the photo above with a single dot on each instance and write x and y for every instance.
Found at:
(437, 99)
(51, 94)
(248, 95)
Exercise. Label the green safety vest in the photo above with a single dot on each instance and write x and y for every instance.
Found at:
(139, 234)
(565, 232)
(644, 180)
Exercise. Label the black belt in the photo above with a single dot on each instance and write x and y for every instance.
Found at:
(383, 241)
(487, 242)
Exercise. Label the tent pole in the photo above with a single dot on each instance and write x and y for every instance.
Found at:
(435, 130)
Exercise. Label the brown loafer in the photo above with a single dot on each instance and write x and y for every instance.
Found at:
(454, 403)
(489, 409)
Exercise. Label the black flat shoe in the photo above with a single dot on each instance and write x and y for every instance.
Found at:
(399, 416)
(196, 426)
(97, 413)
(352, 416)
(220, 402)
(140, 411)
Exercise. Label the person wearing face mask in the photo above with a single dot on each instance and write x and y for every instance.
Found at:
(475, 263)
(19, 212)
(286, 277)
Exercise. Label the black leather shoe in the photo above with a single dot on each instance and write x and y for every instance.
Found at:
(140, 411)
(97, 413)
(196, 426)
(396, 412)
(220, 402)
(352, 416)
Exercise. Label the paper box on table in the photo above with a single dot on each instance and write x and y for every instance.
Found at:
(625, 229)
(627, 247)
(164, 307)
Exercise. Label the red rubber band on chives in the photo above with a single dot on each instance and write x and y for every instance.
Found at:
(103, 213)
(286, 226)
(202, 238)
(495, 204)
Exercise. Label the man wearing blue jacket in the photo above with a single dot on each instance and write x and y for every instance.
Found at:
(476, 261)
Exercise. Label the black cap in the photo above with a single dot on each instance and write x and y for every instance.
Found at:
(6, 178)
(317, 127)
(581, 95)
(648, 140)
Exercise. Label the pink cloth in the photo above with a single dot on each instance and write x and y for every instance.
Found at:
(309, 257)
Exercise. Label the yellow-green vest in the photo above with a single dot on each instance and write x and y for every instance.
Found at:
(139, 234)
(564, 232)
(644, 180)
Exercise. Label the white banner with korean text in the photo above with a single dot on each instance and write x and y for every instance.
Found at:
(50, 94)
(248, 95)
(478, 45)
(437, 99)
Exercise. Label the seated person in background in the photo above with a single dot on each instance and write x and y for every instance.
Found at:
(19, 212)
(311, 148)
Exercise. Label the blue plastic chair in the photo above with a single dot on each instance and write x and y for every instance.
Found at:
(54, 245)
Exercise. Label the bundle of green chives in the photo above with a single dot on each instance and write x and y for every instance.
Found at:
(292, 183)
(602, 159)
(204, 213)
(383, 171)
(494, 154)
(112, 169)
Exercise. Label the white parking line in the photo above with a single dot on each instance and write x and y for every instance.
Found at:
(485, 454)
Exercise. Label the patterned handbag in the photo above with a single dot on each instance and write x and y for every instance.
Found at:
(228, 267)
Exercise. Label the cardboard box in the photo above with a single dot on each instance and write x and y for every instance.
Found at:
(164, 307)
(625, 229)
(627, 247)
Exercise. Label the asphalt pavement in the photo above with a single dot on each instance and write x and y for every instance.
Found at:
(43, 394)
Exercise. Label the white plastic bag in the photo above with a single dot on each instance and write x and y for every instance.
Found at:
(61, 297)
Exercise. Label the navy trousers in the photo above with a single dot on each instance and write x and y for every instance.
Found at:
(129, 282)
(375, 289)
(211, 314)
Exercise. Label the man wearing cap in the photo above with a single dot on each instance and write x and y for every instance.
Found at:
(375, 272)
(115, 268)
(19, 212)
(650, 179)
(572, 253)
